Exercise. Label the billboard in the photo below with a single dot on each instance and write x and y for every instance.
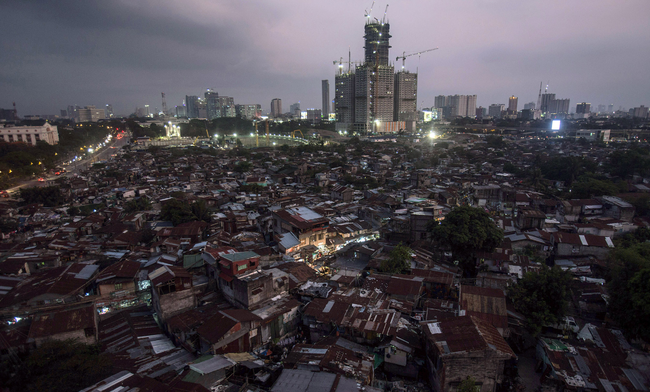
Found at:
(555, 125)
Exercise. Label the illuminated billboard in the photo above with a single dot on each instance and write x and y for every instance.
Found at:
(555, 125)
(332, 116)
(428, 116)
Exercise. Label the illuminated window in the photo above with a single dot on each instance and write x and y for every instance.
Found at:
(118, 286)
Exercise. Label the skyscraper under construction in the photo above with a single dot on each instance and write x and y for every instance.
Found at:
(371, 97)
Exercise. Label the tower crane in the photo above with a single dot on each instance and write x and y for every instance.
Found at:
(404, 55)
(341, 62)
(367, 14)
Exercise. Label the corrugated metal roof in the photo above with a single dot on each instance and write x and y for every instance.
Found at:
(213, 364)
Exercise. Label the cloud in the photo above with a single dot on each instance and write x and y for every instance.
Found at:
(125, 52)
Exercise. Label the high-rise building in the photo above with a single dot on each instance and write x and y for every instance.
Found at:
(109, 110)
(192, 106)
(294, 110)
(90, 114)
(441, 101)
(546, 101)
(227, 106)
(583, 108)
(212, 106)
(558, 106)
(496, 109)
(641, 112)
(325, 85)
(456, 105)
(249, 111)
(344, 100)
(529, 106)
(276, 107)
(314, 115)
(512, 105)
(610, 108)
(406, 95)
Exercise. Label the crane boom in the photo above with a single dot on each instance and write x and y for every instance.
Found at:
(404, 55)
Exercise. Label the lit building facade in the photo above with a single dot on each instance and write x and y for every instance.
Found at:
(30, 134)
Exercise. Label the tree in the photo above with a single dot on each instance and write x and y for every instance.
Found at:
(542, 297)
(201, 211)
(467, 385)
(177, 212)
(465, 231)
(57, 366)
(629, 288)
(399, 260)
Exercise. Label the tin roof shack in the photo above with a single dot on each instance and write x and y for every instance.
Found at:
(50, 287)
(230, 331)
(340, 192)
(296, 380)
(606, 362)
(118, 280)
(255, 288)
(171, 291)
(279, 318)
(617, 208)
(487, 304)
(529, 218)
(334, 359)
(307, 225)
(465, 346)
(571, 244)
(127, 381)
(78, 324)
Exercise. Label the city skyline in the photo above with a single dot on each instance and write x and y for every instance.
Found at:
(125, 55)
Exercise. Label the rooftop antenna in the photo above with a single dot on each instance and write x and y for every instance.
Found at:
(349, 59)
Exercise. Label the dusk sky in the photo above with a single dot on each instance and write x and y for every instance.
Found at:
(86, 52)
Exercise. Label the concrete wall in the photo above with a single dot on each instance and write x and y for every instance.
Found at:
(174, 303)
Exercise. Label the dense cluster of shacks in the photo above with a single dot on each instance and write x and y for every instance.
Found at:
(282, 291)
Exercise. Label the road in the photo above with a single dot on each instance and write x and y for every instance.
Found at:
(101, 155)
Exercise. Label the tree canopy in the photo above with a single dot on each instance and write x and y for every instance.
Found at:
(57, 366)
(629, 286)
(399, 260)
(465, 231)
(542, 297)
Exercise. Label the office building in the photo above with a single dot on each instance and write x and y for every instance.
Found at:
(610, 108)
(276, 107)
(325, 85)
(109, 110)
(227, 106)
(512, 105)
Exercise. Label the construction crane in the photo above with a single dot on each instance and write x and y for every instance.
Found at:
(367, 14)
(294, 133)
(404, 55)
(268, 139)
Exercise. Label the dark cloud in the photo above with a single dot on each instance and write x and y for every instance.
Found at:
(56, 53)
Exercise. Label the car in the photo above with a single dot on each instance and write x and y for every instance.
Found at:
(41, 179)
